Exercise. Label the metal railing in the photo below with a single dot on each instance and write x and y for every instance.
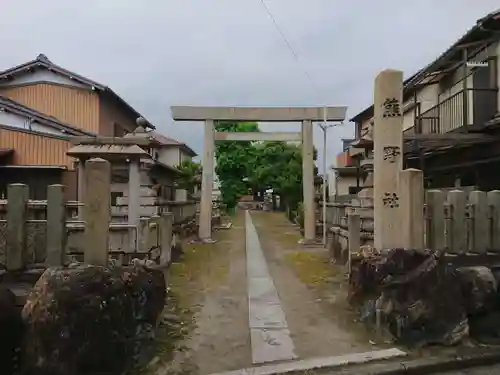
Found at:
(465, 108)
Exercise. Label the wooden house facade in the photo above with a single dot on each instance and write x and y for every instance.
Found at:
(42, 106)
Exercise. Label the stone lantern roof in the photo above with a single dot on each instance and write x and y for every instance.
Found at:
(141, 134)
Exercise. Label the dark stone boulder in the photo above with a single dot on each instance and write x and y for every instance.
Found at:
(485, 327)
(479, 289)
(418, 297)
(11, 331)
(91, 320)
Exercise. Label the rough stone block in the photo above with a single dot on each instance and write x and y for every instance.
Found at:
(479, 287)
(89, 319)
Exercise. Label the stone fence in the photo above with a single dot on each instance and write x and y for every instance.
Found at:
(462, 225)
(48, 233)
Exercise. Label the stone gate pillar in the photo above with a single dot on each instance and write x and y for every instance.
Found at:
(205, 224)
(388, 157)
(308, 182)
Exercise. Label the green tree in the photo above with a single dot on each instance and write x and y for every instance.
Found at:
(258, 166)
(234, 161)
(190, 172)
(278, 165)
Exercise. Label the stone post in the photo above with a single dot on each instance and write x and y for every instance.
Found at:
(388, 158)
(308, 182)
(411, 184)
(56, 225)
(354, 234)
(81, 187)
(205, 224)
(97, 211)
(134, 191)
(134, 202)
(15, 251)
(166, 232)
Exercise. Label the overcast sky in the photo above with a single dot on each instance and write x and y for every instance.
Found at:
(157, 53)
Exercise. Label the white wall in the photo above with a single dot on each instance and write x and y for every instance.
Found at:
(344, 183)
(185, 156)
(169, 156)
(43, 75)
(21, 122)
(172, 156)
(332, 183)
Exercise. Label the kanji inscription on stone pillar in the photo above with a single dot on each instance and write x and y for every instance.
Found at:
(388, 157)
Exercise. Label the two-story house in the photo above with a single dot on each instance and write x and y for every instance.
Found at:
(43, 105)
(451, 113)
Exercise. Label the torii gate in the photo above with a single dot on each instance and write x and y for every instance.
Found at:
(305, 115)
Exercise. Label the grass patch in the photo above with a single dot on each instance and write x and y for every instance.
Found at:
(285, 233)
(198, 268)
(313, 269)
(201, 268)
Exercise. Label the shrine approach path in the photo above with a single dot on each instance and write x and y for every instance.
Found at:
(256, 297)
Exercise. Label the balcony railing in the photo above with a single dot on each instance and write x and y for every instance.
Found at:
(467, 108)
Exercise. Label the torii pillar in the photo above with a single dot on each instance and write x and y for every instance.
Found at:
(207, 182)
(304, 115)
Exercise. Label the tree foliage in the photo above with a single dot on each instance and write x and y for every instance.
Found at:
(233, 161)
(190, 173)
(258, 166)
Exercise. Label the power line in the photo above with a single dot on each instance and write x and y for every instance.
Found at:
(289, 45)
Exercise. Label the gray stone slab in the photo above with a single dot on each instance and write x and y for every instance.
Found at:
(263, 315)
(256, 268)
(269, 334)
(262, 289)
(269, 345)
(319, 363)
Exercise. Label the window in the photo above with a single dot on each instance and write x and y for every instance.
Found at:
(114, 197)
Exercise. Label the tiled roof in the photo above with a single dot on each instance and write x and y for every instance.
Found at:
(164, 140)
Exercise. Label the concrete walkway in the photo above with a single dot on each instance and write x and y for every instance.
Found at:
(269, 333)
